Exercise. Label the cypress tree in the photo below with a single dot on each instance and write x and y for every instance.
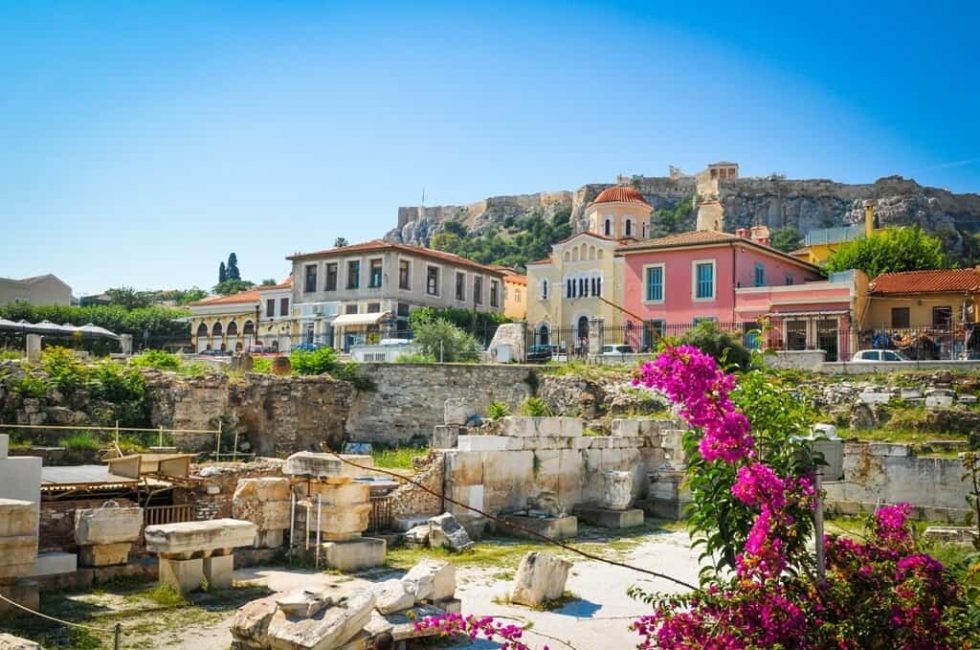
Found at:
(222, 273)
(233, 273)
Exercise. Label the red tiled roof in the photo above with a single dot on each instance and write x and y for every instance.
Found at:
(285, 284)
(516, 278)
(620, 194)
(252, 295)
(378, 245)
(940, 281)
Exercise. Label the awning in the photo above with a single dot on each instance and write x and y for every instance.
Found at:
(797, 314)
(348, 320)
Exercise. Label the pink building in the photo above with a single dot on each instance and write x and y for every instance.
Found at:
(673, 282)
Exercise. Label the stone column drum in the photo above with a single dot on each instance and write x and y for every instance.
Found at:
(618, 490)
(194, 551)
(105, 535)
(18, 550)
(344, 509)
(264, 502)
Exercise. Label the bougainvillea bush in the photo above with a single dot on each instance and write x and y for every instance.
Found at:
(767, 593)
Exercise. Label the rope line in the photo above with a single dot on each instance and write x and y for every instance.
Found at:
(56, 620)
(513, 526)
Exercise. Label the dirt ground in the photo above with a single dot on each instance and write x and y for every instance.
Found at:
(596, 616)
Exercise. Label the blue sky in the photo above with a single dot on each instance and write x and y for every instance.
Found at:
(142, 142)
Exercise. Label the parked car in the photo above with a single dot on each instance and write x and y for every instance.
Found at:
(877, 356)
(539, 354)
(616, 350)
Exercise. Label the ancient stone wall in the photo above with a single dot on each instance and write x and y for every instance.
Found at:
(410, 399)
(880, 473)
(409, 500)
(212, 486)
(56, 531)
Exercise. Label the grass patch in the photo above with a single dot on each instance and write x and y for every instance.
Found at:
(397, 457)
(895, 434)
(166, 595)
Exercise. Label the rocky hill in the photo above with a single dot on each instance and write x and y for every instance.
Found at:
(773, 201)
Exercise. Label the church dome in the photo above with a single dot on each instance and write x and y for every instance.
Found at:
(620, 194)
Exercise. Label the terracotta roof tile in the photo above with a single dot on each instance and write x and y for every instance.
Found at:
(378, 245)
(252, 295)
(620, 194)
(685, 239)
(939, 281)
(516, 278)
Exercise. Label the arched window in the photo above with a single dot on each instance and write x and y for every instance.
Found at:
(544, 289)
(566, 256)
(598, 286)
(645, 226)
(543, 335)
(591, 252)
(232, 328)
(583, 327)
(575, 255)
(607, 229)
(599, 254)
(216, 329)
(581, 286)
(595, 286)
(202, 330)
(569, 284)
(629, 228)
(249, 328)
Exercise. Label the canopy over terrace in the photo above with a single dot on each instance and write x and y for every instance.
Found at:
(49, 328)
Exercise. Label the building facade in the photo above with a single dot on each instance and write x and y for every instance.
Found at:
(257, 319)
(940, 300)
(37, 290)
(515, 293)
(364, 292)
(579, 287)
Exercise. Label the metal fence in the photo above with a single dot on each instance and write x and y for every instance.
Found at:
(158, 515)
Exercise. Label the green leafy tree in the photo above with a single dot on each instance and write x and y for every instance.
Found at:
(722, 345)
(442, 340)
(268, 282)
(189, 295)
(161, 322)
(676, 218)
(786, 239)
(222, 273)
(230, 287)
(340, 242)
(890, 251)
(232, 268)
(129, 298)
(313, 362)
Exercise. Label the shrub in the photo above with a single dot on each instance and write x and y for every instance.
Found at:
(10, 355)
(65, 371)
(313, 362)
(31, 386)
(159, 359)
(350, 373)
(497, 410)
(535, 407)
(81, 441)
(262, 365)
(720, 344)
(442, 340)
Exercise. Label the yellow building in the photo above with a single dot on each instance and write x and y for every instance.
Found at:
(515, 293)
(928, 314)
(257, 318)
(580, 285)
(820, 244)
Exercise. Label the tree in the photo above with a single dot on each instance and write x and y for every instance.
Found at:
(232, 269)
(229, 287)
(129, 298)
(443, 341)
(786, 239)
(190, 295)
(268, 282)
(222, 273)
(721, 345)
(340, 242)
(890, 251)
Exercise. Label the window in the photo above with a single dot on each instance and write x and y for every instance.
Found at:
(284, 306)
(374, 281)
(494, 291)
(607, 230)
(544, 289)
(353, 274)
(310, 284)
(655, 283)
(888, 355)
(796, 335)
(704, 280)
(374, 308)
(270, 307)
(350, 309)
(569, 288)
(582, 287)
(477, 290)
(404, 274)
(789, 279)
(900, 317)
(460, 286)
(403, 309)
(942, 317)
(432, 280)
(629, 227)
(331, 277)
(760, 274)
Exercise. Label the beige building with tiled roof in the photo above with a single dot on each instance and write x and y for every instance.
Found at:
(257, 319)
(364, 292)
(939, 299)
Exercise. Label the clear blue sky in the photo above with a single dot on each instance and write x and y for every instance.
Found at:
(141, 142)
